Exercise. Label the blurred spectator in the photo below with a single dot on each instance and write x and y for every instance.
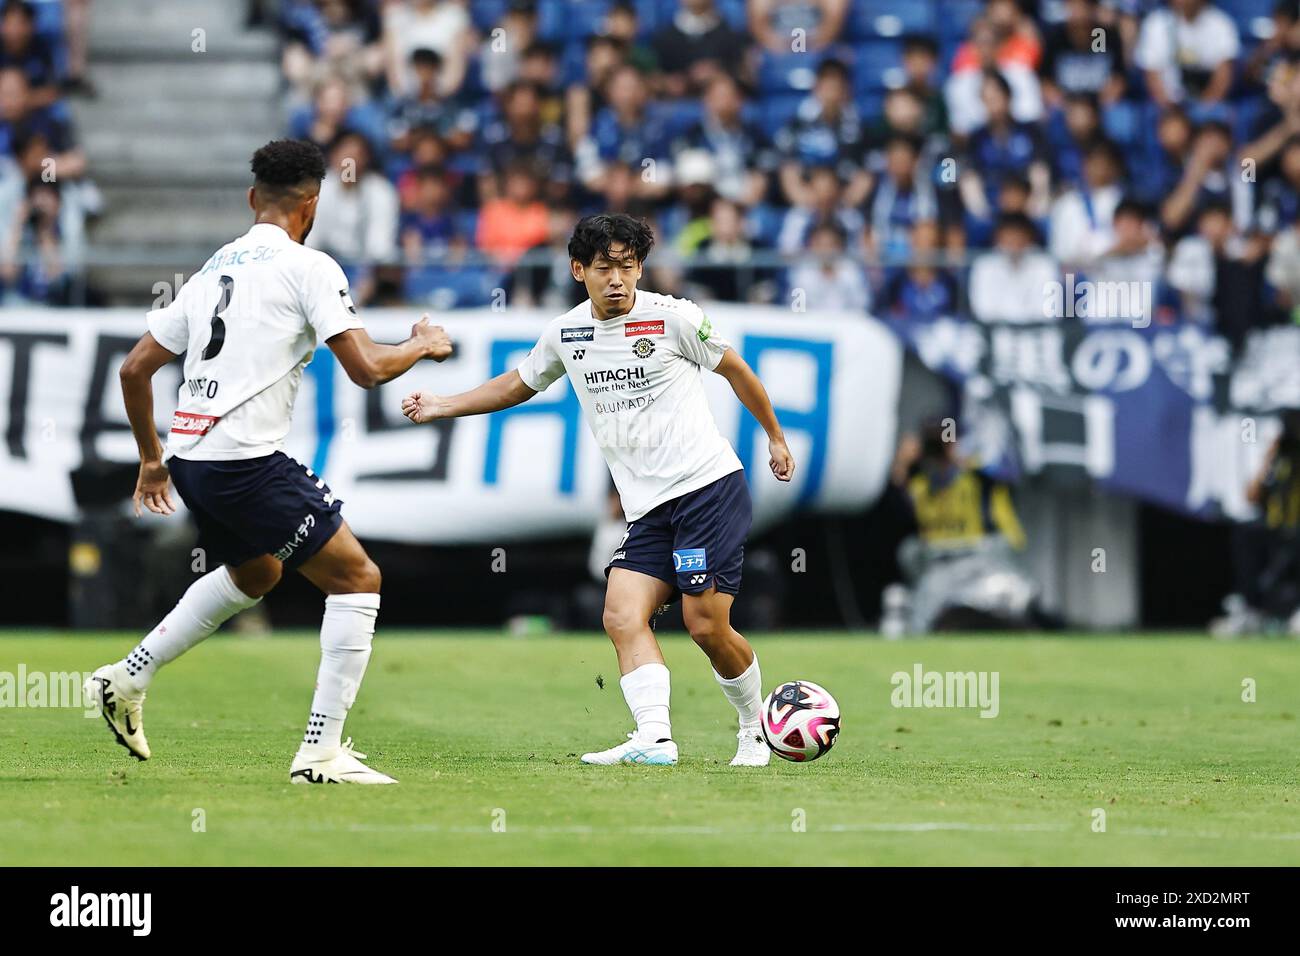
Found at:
(622, 26)
(1135, 254)
(1071, 130)
(33, 264)
(1082, 219)
(1011, 282)
(1283, 269)
(925, 289)
(920, 66)
(1210, 176)
(540, 67)
(1164, 168)
(826, 204)
(357, 215)
(501, 55)
(826, 131)
(522, 134)
(329, 38)
(828, 278)
(697, 47)
(429, 226)
(335, 107)
(586, 97)
(818, 23)
(1001, 147)
(1218, 274)
(901, 198)
(439, 25)
(514, 223)
(629, 130)
(426, 105)
(23, 49)
(742, 159)
(1082, 56)
(1186, 51)
(1000, 42)
(723, 269)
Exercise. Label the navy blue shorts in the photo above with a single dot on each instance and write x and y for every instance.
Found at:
(254, 506)
(694, 542)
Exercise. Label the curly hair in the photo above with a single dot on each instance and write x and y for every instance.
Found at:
(283, 166)
(595, 234)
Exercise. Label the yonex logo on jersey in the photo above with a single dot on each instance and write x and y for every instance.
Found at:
(690, 559)
(643, 348)
(192, 423)
(644, 328)
(578, 335)
(579, 354)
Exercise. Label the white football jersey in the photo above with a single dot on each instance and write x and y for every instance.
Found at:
(638, 379)
(248, 322)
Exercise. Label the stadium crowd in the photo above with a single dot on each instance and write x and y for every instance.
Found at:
(911, 158)
(46, 196)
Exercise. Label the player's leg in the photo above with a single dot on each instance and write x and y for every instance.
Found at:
(735, 667)
(631, 598)
(119, 689)
(710, 527)
(351, 581)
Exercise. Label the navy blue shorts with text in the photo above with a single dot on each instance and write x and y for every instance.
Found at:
(253, 506)
(693, 542)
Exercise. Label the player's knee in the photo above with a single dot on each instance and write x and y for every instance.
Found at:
(257, 578)
(619, 623)
(366, 578)
(706, 630)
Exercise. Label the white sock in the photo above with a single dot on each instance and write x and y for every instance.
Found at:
(346, 633)
(646, 691)
(205, 606)
(745, 693)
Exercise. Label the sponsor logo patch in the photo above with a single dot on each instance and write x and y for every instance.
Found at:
(690, 559)
(192, 423)
(644, 328)
(347, 301)
(587, 334)
(643, 348)
(705, 329)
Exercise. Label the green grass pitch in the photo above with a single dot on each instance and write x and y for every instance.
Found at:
(483, 732)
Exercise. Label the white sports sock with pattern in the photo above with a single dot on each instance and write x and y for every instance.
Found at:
(346, 634)
(207, 604)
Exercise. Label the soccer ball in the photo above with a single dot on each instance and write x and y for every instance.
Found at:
(800, 720)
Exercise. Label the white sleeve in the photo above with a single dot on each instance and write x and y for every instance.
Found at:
(1153, 50)
(695, 338)
(326, 302)
(1225, 43)
(542, 365)
(170, 325)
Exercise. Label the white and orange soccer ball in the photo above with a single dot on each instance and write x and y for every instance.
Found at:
(800, 720)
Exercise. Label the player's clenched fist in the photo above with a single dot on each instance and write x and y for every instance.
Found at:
(782, 462)
(434, 338)
(421, 407)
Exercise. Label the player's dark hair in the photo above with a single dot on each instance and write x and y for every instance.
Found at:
(423, 56)
(593, 235)
(283, 168)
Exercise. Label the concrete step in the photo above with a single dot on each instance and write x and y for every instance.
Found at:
(199, 218)
(201, 80)
(164, 29)
(180, 118)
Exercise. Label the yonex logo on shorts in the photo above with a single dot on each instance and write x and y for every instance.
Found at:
(690, 559)
(699, 578)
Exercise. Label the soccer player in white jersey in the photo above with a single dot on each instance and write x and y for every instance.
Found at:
(635, 359)
(247, 323)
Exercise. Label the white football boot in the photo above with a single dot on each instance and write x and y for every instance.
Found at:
(121, 710)
(751, 749)
(316, 764)
(662, 753)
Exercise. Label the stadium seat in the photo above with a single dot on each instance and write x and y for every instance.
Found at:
(877, 65)
(487, 13)
(447, 288)
(680, 115)
(888, 18)
(560, 20)
(788, 72)
(778, 110)
(1254, 17)
(733, 11)
(954, 17)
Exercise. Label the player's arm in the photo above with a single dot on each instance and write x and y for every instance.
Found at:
(504, 391)
(369, 363)
(753, 396)
(151, 487)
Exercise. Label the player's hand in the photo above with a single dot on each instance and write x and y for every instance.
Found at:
(782, 462)
(421, 407)
(433, 338)
(152, 489)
